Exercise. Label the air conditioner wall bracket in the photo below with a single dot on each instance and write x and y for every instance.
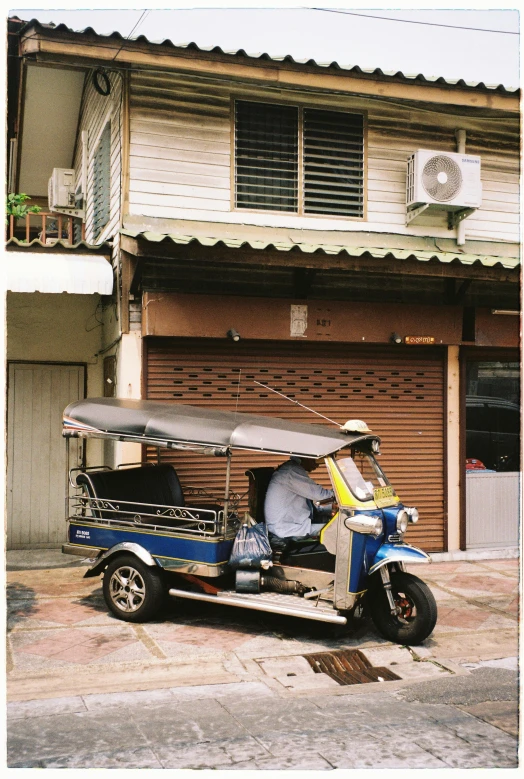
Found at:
(78, 212)
(455, 217)
(410, 215)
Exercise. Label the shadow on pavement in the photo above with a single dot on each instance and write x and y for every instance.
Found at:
(224, 618)
(21, 603)
(95, 601)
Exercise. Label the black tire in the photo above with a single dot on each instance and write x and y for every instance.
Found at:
(133, 591)
(419, 609)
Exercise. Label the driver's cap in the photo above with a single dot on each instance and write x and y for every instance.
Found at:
(356, 426)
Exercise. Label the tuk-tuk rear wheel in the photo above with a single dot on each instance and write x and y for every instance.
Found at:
(417, 609)
(133, 591)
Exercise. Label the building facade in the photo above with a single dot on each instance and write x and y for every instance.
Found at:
(244, 196)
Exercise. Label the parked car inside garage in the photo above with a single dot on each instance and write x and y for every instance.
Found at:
(493, 432)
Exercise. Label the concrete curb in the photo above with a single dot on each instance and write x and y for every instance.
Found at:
(104, 679)
(137, 677)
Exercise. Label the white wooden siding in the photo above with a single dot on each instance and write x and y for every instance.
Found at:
(180, 150)
(96, 111)
(181, 146)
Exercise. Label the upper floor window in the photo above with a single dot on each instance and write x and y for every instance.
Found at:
(299, 160)
(102, 181)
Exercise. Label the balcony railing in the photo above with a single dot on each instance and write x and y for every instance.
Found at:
(47, 227)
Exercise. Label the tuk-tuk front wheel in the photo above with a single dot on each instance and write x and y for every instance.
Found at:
(417, 609)
(133, 591)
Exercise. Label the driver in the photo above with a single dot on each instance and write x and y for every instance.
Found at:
(288, 508)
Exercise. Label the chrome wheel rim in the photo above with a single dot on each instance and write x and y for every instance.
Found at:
(127, 589)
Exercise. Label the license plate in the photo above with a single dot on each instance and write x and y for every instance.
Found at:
(383, 496)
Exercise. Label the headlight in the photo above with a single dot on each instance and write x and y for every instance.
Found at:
(364, 523)
(378, 527)
(413, 515)
(402, 521)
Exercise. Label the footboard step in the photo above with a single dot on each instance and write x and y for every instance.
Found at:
(273, 602)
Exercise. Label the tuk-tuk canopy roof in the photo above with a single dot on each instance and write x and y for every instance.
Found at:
(173, 425)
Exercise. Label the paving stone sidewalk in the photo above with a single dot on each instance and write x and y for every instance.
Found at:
(247, 726)
(201, 686)
(58, 621)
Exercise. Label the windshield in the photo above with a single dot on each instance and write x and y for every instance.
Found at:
(364, 477)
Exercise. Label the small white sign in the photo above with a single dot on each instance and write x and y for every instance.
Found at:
(298, 322)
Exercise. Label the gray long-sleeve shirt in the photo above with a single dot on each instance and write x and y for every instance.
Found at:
(288, 506)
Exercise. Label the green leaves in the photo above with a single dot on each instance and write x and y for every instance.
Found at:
(15, 206)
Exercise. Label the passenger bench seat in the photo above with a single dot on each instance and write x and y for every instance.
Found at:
(157, 484)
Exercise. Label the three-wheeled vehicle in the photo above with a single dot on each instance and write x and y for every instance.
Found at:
(150, 537)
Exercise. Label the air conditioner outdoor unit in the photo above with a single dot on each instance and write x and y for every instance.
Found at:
(61, 189)
(451, 181)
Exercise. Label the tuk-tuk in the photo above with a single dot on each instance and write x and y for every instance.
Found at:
(148, 536)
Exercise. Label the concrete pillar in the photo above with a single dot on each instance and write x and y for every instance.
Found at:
(453, 448)
(129, 385)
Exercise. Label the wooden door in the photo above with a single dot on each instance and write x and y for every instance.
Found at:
(36, 453)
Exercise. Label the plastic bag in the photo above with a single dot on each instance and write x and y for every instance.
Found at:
(251, 548)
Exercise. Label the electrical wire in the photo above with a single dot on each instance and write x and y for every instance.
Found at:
(99, 322)
(413, 21)
(368, 16)
(144, 14)
(107, 348)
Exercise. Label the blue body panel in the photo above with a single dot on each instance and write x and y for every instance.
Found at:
(211, 551)
(372, 544)
(390, 553)
(357, 557)
(390, 518)
(369, 553)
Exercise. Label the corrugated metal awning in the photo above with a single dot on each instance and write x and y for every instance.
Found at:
(79, 274)
(59, 245)
(309, 248)
(158, 39)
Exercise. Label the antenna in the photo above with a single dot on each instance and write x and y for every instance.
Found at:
(297, 403)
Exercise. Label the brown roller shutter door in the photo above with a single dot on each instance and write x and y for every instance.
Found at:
(398, 391)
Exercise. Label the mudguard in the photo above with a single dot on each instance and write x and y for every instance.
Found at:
(397, 553)
(125, 546)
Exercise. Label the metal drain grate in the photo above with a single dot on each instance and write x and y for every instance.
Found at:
(348, 666)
